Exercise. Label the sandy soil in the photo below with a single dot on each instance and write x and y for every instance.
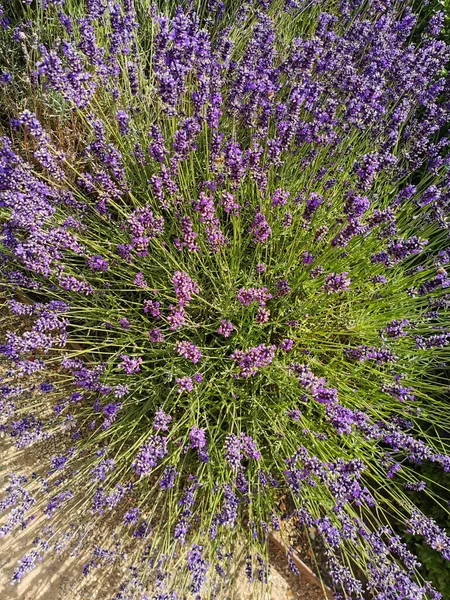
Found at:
(61, 578)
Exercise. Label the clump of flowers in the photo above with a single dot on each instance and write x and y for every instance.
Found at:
(246, 243)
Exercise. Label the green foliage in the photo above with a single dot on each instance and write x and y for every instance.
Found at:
(434, 567)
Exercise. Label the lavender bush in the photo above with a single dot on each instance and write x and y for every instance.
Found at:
(224, 250)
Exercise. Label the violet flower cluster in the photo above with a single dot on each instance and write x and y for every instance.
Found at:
(224, 262)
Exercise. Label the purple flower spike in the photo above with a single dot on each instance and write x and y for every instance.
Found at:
(336, 283)
(130, 364)
(253, 359)
(184, 287)
(225, 328)
(148, 455)
(185, 384)
(188, 350)
(286, 344)
(161, 420)
(197, 437)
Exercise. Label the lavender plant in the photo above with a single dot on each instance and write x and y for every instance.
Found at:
(224, 249)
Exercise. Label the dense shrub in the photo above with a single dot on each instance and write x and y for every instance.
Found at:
(224, 249)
